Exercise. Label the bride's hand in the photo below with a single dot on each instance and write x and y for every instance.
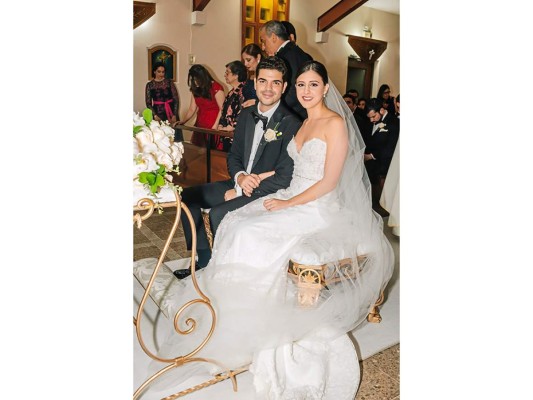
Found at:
(265, 175)
(275, 204)
(230, 194)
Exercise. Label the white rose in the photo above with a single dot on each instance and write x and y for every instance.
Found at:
(138, 168)
(138, 120)
(136, 149)
(154, 125)
(150, 148)
(169, 131)
(176, 152)
(381, 125)
(270, 135)
(146, 162)
(144, 137)
(157, 133)
(164, 159)
(163, 144)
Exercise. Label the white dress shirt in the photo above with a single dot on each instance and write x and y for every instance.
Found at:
(375, 127)
(258, 134)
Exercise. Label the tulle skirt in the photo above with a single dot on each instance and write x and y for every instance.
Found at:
(256, 301)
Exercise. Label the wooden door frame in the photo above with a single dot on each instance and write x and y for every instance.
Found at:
(369, 75)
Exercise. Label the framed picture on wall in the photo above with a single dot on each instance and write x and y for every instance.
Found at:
(165, 55)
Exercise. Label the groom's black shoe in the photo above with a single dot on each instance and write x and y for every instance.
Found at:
(184, 273)
(203, 259)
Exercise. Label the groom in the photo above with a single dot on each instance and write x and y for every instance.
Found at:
(260, 141)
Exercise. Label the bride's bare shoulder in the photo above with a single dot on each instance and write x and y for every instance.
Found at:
(336, 126)
(333, 116)
(334, 119)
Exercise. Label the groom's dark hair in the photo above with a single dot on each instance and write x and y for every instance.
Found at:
(374, 104)
(272, 63)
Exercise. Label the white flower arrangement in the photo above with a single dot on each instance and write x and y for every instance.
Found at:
(272, 134)
(155, 154)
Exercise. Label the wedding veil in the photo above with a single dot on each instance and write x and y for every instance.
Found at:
(359, 236)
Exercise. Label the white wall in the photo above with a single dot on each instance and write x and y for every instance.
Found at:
(213, 44)
(334, 54)
(219, 41)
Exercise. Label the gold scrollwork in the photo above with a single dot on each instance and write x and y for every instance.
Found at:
(149, 206)
(144, 204)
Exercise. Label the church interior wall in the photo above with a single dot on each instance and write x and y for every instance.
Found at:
(219, 41)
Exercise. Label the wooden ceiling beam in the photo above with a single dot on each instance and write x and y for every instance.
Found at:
(336, 13)
(199, 5)
(142, 11)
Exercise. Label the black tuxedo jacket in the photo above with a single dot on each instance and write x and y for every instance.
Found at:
(383, 142)
(270, 156)
(294, 57)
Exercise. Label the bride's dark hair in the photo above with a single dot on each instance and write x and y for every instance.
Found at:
(315, 66)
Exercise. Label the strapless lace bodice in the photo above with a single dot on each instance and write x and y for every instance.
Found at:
(308, 163)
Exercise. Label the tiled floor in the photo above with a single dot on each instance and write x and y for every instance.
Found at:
(380, 374)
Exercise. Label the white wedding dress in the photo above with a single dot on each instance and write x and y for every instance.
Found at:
(259, 320)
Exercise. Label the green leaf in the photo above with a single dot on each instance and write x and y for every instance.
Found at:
(136, 130)
(148, 116)
(161, 169)
(151, 178)
(143, 177)
(147, 177)
(159, 180)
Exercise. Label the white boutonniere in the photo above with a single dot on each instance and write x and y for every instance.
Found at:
(381, 127)
(272, 134)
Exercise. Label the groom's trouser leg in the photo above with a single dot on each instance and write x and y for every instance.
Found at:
(217, 213)
(197, 197)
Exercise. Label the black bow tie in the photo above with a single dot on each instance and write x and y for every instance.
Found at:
(258, 117)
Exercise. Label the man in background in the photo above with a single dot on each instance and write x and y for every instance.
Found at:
(354, 93)
(275, 42)
(380, 140)
(350, 101)
(291, 30)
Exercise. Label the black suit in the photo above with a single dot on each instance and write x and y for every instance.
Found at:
(381, 144)
(363, 123)
(294, 57)
(270, 156)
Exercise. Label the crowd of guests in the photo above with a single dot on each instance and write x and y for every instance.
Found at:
(378, 120)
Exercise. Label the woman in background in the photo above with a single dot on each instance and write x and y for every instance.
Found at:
(207, 99)
(388, 100)
(161, 95)
(390, 196)
(360, 116)
(251, 55)
(235, 76)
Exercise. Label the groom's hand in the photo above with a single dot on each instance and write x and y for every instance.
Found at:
(248, 183)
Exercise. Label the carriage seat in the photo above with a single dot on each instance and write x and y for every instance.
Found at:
(311, 273)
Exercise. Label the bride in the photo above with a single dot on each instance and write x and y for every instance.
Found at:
(325, 215)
